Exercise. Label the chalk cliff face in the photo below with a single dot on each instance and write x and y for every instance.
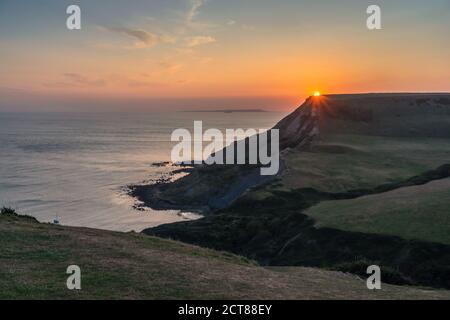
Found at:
(301, 127)
(402, 115)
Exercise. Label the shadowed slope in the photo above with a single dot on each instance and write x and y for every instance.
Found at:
(34, 258)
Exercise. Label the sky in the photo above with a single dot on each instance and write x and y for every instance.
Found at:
(166, 55)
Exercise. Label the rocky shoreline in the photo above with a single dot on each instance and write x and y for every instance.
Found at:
(201, 197)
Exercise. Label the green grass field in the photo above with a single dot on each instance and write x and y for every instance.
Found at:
(340, 163)
(419, 212)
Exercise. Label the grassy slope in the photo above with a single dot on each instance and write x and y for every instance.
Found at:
(347, 162)
(341, 163)
(34, 257)
(419, 212)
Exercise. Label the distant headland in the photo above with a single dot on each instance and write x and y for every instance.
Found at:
(228, 110)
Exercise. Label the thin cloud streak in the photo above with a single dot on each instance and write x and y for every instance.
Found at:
(194, 10)
(76, 80)
(199, 40)
(144, 37)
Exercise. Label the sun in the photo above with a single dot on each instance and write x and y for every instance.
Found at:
(316, 94)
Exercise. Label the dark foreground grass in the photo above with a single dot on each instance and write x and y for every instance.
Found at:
(34, 258)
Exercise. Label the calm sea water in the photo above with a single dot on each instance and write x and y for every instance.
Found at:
(75, 166)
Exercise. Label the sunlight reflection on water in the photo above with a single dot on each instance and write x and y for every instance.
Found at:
(74, 166)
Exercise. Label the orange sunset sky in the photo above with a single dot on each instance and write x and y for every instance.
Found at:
(181, 54)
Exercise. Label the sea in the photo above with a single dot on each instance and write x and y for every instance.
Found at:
(75, 167)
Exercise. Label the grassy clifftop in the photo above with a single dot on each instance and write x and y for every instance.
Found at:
(34, 258)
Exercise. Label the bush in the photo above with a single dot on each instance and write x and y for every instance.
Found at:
(12, 213)
(7, 210)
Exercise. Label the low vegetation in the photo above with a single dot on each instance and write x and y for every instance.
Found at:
(34, 258)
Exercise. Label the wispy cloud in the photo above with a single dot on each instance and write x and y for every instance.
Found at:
(170, 66)
(76, 80)
(190, 21)
(193, 10)
(140, 84)
(199, 40)
(244, 26)
(144, 38)
(248, 27)
(81, 80)
(183, 36)
(192, 25)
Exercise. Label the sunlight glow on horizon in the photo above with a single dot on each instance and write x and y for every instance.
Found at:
(214, 52)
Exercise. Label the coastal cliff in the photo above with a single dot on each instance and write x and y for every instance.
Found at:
(337, 149)
(208, 188)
